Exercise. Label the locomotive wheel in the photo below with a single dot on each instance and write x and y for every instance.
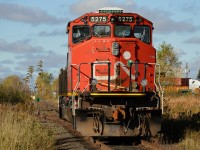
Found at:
(63, 111)
(149, 124)
(62, 108)
(100, 126)
(60, 112)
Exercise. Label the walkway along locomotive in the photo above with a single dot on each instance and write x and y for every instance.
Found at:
(108, 87)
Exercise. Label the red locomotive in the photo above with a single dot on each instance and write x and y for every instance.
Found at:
(108, 87)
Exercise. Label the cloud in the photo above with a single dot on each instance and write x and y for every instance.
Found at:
(194, 66)
(5, 71)
(167, 25)
(19, 47)
(51, 61)
(26, 55)
(52, 33)
(163, 23)
(180, 52)
(7, 61)
(162, 20)
(193, 40)
(33, 16)
(84, 6)
(197, 52)
(190, 7)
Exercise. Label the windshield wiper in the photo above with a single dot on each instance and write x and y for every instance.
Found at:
(123, 35)
(97, 34)
(143, 35)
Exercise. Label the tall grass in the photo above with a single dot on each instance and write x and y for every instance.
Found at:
(191, 141)
(20, 131)
(181, 121)
(185, 104)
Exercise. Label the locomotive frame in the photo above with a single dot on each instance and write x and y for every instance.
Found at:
(108, 87)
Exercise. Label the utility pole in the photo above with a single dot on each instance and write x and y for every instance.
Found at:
(187, 70)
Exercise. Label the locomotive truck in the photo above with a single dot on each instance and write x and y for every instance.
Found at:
(108, 87)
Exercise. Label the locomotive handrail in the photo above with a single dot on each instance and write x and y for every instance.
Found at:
(73, 98)
(160, 90)
(130, 79)
(85, 88)
(99, 62)
(78, 82)
(155, 66)
(90, 63)
(102, 62)
(108, 62)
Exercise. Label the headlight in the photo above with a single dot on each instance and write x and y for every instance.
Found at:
(94, 82)
(144, 82)
(115, 45)
(115, 48)
(134, 85)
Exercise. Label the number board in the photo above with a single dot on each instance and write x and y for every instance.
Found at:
(125, 19)
(98, 19)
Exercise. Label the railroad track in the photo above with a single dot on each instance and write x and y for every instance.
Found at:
(67, 138)
(123, 143)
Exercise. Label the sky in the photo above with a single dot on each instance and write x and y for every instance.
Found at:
(33, 30)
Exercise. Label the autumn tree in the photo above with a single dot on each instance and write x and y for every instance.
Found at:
(55, 87)
(41, 87)
(13, 81)
(44, 85)
(28, 80)
(40, 66)
(170, 66)
(12, 90)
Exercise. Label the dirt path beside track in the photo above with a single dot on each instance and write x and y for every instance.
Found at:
(66, 138)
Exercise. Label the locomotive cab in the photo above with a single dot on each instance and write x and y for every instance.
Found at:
(108, 87)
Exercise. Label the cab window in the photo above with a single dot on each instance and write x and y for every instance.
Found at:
(122, 30)
(142, 33)
(101, 30)
(80, 33)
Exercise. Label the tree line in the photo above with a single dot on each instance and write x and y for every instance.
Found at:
(37, 83)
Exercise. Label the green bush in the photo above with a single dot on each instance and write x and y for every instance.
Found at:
(12, 95)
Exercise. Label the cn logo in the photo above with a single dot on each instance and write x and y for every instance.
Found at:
(112, 77)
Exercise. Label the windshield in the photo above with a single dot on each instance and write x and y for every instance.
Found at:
(122, 30)
(142, 33)
(80, 33)
(101, 30)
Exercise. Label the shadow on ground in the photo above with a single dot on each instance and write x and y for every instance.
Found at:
(173, 130)
(74, 143)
